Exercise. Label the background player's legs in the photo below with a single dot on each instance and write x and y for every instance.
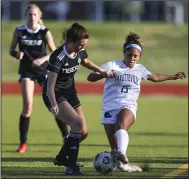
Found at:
(63, 128)
(27, 87)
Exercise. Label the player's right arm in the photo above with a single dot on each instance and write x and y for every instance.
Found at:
(12, 51)
(52, 77)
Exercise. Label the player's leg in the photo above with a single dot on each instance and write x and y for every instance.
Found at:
(71, 147)
(63, 129)
(110, 133)
(62, 126)
(27, 88)
(84, 132)
(125, 118)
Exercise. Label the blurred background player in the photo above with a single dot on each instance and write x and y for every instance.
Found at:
(60, 95)
(119, 103)
(32, 39)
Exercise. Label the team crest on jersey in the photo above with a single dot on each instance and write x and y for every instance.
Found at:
(24, 37)
(107, 115)
(39, 37)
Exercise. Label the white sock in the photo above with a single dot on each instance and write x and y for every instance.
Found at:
(122, 140)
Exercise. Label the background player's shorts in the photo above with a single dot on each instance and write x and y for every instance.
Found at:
(72, 99)
(39, 79)
(110, 117)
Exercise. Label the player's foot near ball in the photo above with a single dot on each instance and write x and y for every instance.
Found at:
(64, 162)
(119, 156)
(74, 171)
(128, 167)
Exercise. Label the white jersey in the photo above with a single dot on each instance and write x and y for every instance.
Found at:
(124, 88)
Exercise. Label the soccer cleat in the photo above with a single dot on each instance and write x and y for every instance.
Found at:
(73, 171)
(119, 156)
(65, 162)
(22, 148)
(127, 167)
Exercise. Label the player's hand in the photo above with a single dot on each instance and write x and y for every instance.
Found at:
(107, 74)
(19, 55)
(37, 62)
(180, 75)
(55, 110)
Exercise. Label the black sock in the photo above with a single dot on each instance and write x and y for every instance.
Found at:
(64, 152)
(73, 142)
(23, 128)
(70, 149)
(63, 127)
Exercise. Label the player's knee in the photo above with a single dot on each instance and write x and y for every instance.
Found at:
(84, 134)
(27, 111)
(77, 124)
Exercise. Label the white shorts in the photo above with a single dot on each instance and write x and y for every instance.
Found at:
(110, 117)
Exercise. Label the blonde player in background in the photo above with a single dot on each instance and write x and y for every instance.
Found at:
(32, 38)
(119, 104)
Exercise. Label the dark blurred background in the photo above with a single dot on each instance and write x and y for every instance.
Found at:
(102, 10)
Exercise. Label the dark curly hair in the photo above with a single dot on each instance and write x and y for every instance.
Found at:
(132, 38)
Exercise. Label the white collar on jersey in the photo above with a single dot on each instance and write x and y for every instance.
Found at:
(64, 47)
(33, 31)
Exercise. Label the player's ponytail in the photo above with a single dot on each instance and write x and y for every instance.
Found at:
(132, 38)
(40, 22)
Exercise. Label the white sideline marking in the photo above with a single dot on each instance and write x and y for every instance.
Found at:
(176, 172)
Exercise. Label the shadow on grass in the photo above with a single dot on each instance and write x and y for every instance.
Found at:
(149, 160)
(99, 145)
(41, 171)
(58, 172)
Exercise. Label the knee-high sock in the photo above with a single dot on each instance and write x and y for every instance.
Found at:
(70, 149)
(23, 128)
(63, 127)
(122, 140)
(73, 140)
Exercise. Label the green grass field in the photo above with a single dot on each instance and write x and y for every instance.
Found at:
(165, 45)
(159, 139)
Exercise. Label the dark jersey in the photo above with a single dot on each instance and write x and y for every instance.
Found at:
(33, 44)
(62, 63)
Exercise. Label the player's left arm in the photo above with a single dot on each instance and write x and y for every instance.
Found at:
(51, 46)
(164, 77)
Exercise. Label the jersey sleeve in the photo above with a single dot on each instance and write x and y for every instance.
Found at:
(107, 66)
(145, 73)
(45, 31)
(54, 64)
(83, 54)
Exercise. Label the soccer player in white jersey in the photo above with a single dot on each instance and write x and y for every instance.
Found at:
(119, 104)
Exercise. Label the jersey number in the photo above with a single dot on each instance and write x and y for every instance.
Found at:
(125, 88)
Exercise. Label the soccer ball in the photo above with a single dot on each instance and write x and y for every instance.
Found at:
(103, 163)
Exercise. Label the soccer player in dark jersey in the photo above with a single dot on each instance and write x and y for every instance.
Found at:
(31, 39)
(60, 95)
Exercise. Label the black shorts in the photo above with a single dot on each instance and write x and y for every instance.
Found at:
(72, 99)
(39, 79)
